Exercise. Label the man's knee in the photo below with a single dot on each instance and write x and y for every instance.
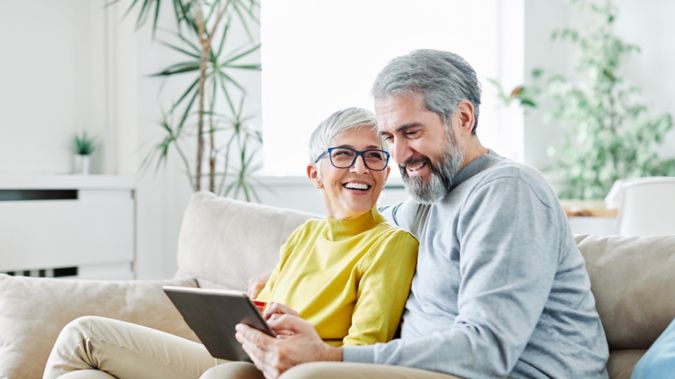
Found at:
(323, 370)
(233, 370)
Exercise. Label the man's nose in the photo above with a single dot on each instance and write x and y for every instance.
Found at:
(400, 151)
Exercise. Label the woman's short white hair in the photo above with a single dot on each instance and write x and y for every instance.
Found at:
(335, 124)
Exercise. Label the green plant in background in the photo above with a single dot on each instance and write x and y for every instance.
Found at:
(208, 112)
(609, 133)
(83, 144)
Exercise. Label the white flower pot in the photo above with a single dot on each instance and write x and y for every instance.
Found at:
(81, 164)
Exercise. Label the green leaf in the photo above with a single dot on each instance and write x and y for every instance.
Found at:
(179, 68)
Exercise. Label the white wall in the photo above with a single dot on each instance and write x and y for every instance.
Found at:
(51, 82)
(77, 66)
(645, 25)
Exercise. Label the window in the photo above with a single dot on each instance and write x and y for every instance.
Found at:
(321, 56)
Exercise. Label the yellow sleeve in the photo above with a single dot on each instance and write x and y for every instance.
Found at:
(284, 252)
(383, 289)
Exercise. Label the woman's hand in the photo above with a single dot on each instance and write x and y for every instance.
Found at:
(256, 284)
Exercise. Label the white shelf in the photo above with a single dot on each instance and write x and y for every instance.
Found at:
(34, 181)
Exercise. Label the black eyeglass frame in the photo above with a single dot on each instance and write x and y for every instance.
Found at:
(357, 154)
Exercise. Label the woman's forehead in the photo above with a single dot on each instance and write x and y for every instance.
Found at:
(363, 136)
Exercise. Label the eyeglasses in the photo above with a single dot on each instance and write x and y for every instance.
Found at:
(345, 157)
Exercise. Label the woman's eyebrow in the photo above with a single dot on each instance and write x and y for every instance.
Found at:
(367, 147)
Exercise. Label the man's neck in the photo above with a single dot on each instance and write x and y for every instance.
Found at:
(473, 151)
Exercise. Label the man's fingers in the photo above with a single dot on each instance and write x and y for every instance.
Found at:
(288, 323)
(278, 308)
(251, 335)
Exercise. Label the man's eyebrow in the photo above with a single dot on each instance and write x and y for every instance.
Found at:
(403, 127)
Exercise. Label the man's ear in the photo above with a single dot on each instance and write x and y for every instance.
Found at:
(313, 175)
(465, 116)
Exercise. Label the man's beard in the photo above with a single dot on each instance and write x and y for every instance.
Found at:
(441, 177)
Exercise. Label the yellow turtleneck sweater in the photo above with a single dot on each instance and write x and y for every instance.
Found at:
(349, 278)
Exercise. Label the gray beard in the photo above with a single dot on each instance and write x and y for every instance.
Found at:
(441, 177)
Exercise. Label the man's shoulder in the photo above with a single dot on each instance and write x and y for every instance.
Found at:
(519, 173)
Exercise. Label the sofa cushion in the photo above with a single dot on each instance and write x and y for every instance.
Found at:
(659, 361)
(632, 281)
(34, 310)
(224, 242)
(621, 362)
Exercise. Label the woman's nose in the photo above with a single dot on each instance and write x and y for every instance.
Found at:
(359, 165)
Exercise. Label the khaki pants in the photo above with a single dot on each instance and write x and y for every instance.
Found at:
(97, 347)
(100, 348)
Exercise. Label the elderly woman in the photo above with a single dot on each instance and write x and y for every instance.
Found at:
(348, 275)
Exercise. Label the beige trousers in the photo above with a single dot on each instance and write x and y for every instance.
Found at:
(96, 347)
(93, 347)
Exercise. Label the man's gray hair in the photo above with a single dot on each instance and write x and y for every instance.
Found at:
(335, 124)
(442, 78)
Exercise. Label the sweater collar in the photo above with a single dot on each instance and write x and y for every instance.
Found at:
(475, 166)
(338, 229)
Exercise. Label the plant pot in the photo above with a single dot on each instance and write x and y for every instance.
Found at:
(81, 164)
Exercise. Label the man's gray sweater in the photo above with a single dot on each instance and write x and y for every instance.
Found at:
(500, 289)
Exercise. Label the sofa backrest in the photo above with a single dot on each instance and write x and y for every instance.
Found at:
(633, 281)
(224, 242)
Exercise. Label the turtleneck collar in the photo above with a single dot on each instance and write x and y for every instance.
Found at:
(338, 229)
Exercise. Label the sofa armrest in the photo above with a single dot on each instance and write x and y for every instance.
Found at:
(34, 310)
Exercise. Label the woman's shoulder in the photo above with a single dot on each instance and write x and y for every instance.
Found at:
(386, 228)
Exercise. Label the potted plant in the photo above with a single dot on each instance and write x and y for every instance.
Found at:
(207, 116)
(83, 146)
(610, 133)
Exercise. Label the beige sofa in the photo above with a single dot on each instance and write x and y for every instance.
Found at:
(223, 242)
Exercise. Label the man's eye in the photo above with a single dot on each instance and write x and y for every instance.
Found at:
(388, 139)
(410, 133)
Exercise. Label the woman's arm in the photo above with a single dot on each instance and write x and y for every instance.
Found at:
(383, 289)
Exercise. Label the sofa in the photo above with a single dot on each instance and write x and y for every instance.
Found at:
(222, 243)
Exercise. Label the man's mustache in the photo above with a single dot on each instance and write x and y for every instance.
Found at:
(414, 161)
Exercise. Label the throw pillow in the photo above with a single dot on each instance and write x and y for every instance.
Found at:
(659, 360)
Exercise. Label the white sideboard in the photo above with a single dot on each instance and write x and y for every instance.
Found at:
(68, 225)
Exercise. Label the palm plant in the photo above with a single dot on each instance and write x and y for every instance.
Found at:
(223, 140)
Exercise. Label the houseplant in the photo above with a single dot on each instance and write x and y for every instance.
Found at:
(610, 133)
(83, 147)
(207, 116)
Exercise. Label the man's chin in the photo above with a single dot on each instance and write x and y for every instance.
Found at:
(424, 191)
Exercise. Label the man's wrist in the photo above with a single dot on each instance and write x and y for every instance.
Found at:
(333, 353)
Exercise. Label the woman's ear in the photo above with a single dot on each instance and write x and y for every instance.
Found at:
(386, 173)
(313, 175)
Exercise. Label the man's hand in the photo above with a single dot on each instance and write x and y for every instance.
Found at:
(297, 342)
(256, 284)
(275, 310)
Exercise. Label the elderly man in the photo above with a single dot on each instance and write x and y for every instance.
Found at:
(500, 288)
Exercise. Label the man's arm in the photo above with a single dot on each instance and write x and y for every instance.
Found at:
(509, 244)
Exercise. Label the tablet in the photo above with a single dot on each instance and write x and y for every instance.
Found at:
(213, 313)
